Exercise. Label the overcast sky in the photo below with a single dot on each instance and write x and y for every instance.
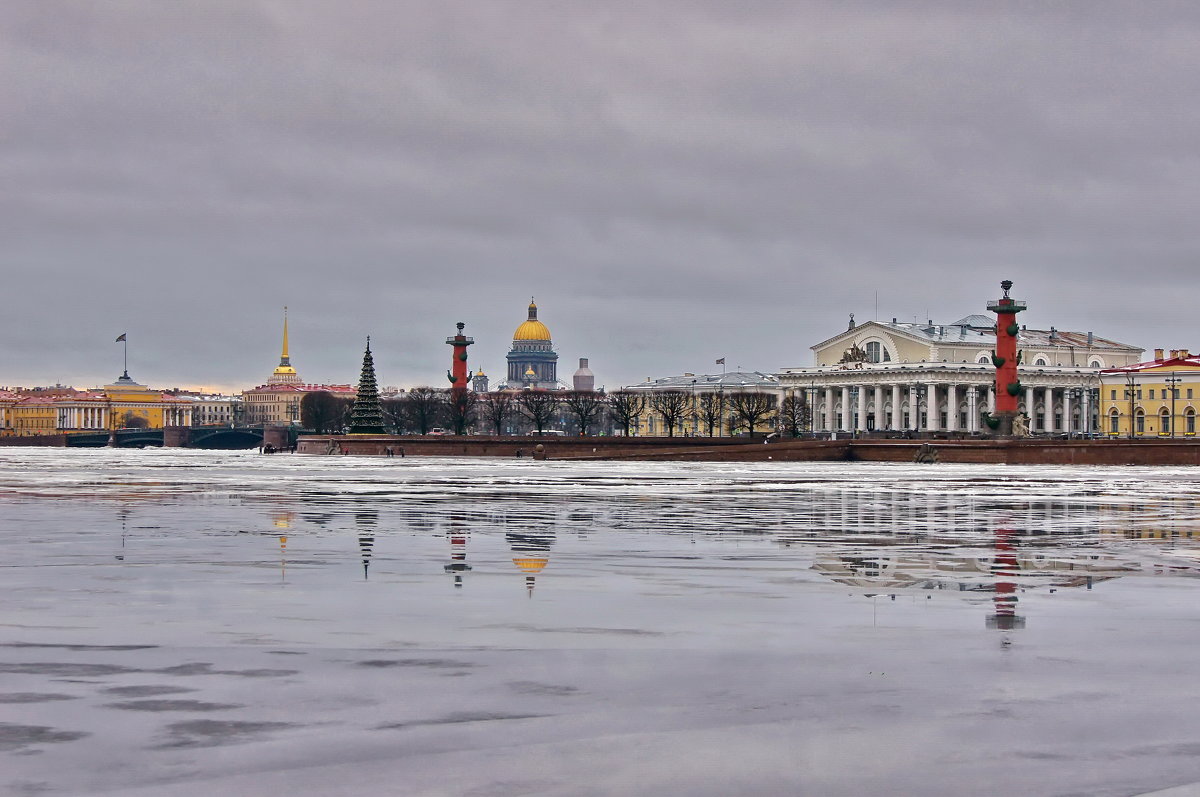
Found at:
(674, 181)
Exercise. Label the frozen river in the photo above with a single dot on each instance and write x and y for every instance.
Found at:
(196, 623)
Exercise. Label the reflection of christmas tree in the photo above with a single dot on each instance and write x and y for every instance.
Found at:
(366, 417)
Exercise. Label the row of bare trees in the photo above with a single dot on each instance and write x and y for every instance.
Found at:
(423, 409)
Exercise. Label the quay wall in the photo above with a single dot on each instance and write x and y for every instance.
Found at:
(703, 449)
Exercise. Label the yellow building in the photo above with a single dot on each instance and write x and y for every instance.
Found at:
(708, 404)
(1158, 398)
(34, 415)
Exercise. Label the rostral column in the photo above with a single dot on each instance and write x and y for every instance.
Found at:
(458, 370)
(1006, 359)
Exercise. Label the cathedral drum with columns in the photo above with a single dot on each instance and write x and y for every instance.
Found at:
(912, 377)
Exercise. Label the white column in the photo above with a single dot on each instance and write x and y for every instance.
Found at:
(1029, 408)
(1048, 410)
(862, 408)
(829, 409)
(844, 418)
(1067, 412)
(914, 419)
(879, 419)
(1086, 412)
(932, 421)
(896, 416)
(972, 408)
(952, 407)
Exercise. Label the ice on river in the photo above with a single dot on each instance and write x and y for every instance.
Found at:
(197, 623)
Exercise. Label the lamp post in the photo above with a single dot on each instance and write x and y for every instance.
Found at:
(852, 412)
(1173, 380)
(1130, 385)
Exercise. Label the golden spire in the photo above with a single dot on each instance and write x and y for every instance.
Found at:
(283, 360)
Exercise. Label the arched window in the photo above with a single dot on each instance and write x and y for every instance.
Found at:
(1189, 420)
(1040, 361)
(1164, 422)
(876, 353)
(1114, 421)
(984, 359)
(1140, 421)
(1095, 362)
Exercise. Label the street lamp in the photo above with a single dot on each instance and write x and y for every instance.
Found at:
(1130, 392)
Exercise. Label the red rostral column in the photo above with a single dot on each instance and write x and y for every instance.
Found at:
(459, 372)
(1006, 360)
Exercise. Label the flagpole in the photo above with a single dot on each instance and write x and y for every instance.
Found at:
(126, 347)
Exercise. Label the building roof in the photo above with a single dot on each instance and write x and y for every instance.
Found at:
(1157, 365)
(972, 331)
(294, 388)
(734, 380)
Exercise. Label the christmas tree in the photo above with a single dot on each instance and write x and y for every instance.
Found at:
(366, 416)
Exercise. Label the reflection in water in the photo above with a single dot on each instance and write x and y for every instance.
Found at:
(457, 534)
(1005, 567)
(531, 547)
(366, 521)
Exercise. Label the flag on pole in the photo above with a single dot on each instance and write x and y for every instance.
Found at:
(118, 340)
(719, 362)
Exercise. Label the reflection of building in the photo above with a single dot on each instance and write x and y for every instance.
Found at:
(940, 377)
(531, 551)
(697, 391)
(1155, 398)
(532, 362)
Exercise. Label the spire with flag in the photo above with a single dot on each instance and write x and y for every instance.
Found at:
(123, 339)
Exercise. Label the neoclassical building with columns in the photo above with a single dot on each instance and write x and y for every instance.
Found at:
(899, 376)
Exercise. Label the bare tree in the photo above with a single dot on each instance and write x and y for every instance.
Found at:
(395, 414)
(424, 408)
(750, 407)
(539, 406)
(711, 408)
(461, 409)
(496, 408)
(585, 406)
(627, 407)
(323, 412)
(795, 413)
(671, 405)
(131, 420)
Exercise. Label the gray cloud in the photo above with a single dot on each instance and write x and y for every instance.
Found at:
(674, 181)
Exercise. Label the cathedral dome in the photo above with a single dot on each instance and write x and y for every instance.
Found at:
(532, 329)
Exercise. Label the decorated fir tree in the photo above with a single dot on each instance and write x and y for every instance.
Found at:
(366, 416)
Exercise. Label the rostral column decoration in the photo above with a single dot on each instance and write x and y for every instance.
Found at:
(459, 372)
(1006, 359)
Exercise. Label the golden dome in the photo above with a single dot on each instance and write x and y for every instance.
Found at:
(532, 329)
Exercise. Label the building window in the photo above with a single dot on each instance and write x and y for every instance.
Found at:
(1140, 422)
(1152, 393)
(1164, 423)
(1040, 361)
(983, 359)
(876, 353)
(1113, 395)
(1190, 421)
(1114, 422)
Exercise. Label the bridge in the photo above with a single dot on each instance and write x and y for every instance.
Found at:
(209, 437)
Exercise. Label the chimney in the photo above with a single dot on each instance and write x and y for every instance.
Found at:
(1091, 338)
(1053, 334)
(893, 319)
(1184, 353)
(1158, 354)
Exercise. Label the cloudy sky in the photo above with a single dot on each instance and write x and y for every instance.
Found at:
(673, 181)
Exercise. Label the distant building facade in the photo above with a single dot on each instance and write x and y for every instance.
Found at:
(1157, 398)
(939, 377)
(695, 388)
(278, 401)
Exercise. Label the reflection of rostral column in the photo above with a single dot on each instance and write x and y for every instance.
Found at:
(1005, 569)
(1006, 360)
(459, 371)
(458, 549)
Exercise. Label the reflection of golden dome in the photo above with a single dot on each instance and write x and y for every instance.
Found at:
(531, 565)
(532, 329)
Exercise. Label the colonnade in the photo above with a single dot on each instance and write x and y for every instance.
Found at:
(949, 407)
